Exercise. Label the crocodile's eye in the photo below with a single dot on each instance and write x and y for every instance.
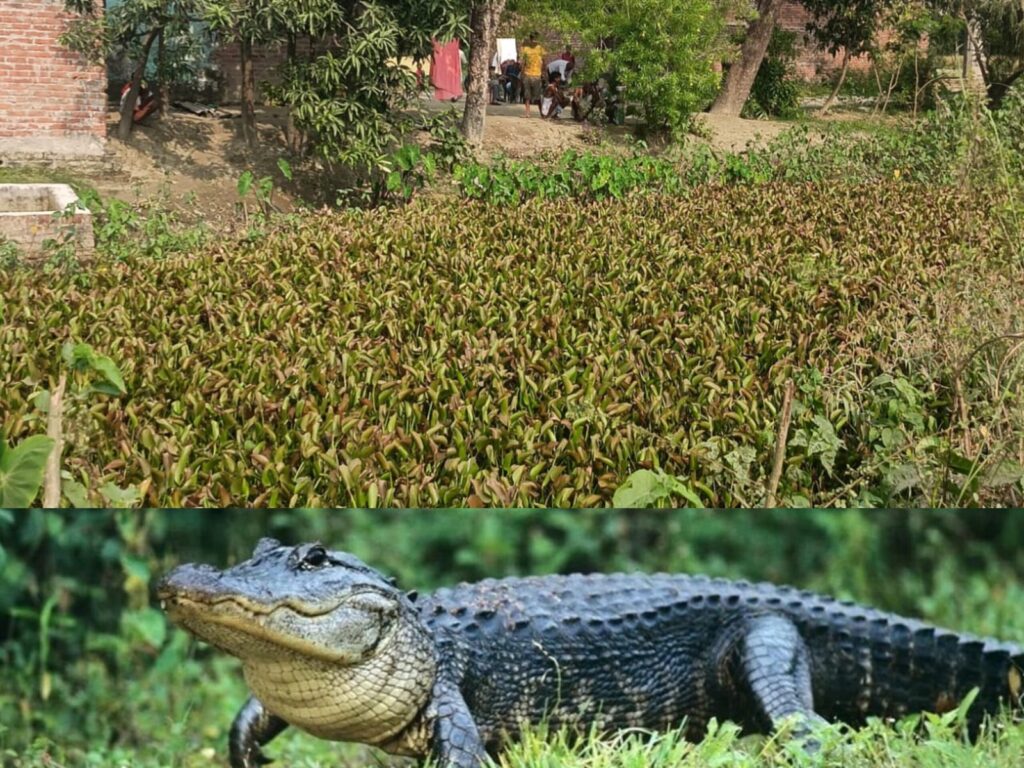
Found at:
(315, 557)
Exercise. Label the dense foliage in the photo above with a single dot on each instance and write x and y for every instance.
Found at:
(955, 144)
(93, 675)
(454, 356)
(996, 29)
(848, 26)
(662, 53)
(774, 91)
(349, 93)
(345, 92)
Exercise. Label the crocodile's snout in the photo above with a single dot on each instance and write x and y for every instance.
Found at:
(198, 583)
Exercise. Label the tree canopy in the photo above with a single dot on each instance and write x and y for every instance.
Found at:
(346, 95)
(662, 52)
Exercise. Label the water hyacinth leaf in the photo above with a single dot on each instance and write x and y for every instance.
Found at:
(79, 357)
(82, 357)
(76, 493)
(110, 372)
(41, 400)
(328, 358)
(21, 470)
(105, 388)
(119, 497)
(646, 488)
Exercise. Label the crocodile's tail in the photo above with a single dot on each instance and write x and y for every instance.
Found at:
(887, 666)
(995, 669)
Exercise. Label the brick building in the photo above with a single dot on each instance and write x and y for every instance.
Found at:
(812, 64)
(226, 61)
(53, 103)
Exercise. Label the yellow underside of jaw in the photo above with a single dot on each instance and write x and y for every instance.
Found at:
(249, 618)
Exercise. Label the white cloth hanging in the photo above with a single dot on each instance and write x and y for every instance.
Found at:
(506, 51)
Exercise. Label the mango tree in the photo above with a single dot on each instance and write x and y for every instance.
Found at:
(846, 27)
(131, 28)
(740, 77)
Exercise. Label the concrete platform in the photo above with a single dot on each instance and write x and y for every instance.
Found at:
(31, 214)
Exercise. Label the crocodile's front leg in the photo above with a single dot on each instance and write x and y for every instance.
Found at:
(456, 740)
(252, 727)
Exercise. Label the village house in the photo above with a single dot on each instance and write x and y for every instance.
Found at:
(54, 103)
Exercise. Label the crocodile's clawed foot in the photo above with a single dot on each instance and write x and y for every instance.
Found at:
(251, 758)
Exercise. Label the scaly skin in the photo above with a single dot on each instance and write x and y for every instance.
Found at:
(334, 648)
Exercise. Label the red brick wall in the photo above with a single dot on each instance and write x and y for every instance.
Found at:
(812, 63)
(227, 59)
(46, 91)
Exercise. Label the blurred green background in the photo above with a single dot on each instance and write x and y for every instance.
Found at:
(93, 675)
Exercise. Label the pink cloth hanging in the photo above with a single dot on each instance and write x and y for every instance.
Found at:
(446, 70)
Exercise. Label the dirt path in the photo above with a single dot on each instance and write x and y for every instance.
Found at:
(188, 162)
(514, 135)
(735, 133)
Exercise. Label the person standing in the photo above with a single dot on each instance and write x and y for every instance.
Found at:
(533, 70)
(567, 55)
(570, 68)
(513, 80)
(463, 68)
(495, 85)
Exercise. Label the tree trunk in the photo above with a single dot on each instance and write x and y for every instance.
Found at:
(974, 52)
(124, 128)
(740, 78)
(484, 16)
(248, 92)
(835, 91)
(163, 94)
(291, 134)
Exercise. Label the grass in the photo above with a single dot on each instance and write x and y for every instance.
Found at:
(863, 124)
(176, 714)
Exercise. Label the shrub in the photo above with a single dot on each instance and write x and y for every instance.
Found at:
(663, 54)
(774, 92)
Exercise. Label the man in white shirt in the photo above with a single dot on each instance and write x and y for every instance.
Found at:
(562, 67)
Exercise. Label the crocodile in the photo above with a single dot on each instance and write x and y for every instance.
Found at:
(336, 649)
